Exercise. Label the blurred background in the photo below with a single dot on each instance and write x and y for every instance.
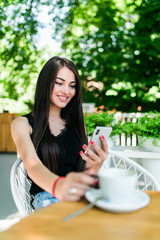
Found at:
(114, 43)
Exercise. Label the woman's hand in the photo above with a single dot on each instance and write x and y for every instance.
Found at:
(74, 185)
(95, 160)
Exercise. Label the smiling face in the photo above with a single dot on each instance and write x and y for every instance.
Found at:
(64, 88)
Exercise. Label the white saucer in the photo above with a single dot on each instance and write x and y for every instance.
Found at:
(138, 200)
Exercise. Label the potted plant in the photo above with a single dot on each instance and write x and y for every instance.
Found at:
(147, 129)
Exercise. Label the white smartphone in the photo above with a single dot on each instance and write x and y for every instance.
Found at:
(98, 132)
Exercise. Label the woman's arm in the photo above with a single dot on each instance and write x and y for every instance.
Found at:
(21, 131)
(41, 175)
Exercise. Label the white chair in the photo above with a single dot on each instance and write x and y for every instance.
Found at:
(145, 180)
(20, 186)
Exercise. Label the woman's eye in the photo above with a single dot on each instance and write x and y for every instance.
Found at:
(59, 83)
(73, 86)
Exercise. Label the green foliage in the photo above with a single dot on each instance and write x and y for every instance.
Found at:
(104, 119)
(108, 119)
(127, 128)
(115, 43)
(145, 51)
(148, 125)
(98, 119)
(19, 57)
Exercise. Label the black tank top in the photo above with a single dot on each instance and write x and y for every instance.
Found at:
(69, 158)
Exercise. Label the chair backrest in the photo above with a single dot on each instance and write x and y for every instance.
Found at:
(20, 185)
(145, 180)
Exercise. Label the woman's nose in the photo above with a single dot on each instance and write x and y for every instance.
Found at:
(65, 89)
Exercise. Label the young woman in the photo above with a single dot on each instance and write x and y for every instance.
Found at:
(52, 140)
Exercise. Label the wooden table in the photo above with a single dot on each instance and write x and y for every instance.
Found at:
(47, 224)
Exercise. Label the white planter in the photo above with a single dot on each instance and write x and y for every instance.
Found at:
(148, 144)
(151, 164)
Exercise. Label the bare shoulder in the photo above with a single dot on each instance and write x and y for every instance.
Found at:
(21, 123)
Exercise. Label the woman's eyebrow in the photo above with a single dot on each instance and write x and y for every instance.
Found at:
(64, 80)
(60, 78)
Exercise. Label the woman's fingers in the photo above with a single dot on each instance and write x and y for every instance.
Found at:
(98, 149)
(99, 156)
(73, 187)
(85, 177)
(95, 159)
(104, 144)
(90, 157)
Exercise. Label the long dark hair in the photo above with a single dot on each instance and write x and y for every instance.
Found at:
(72, 113)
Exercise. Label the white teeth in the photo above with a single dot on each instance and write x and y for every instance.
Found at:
(63, 98)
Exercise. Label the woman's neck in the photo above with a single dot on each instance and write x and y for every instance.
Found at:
(56, 123)
(54, 113)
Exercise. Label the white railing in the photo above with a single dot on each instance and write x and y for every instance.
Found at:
(88, 107)
(128, 117)
(122, 140)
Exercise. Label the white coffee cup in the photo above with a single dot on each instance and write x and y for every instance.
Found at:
(117, 185)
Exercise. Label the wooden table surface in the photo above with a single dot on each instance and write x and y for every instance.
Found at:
(47, 224)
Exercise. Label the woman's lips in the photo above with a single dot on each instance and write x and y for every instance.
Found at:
(63, 99)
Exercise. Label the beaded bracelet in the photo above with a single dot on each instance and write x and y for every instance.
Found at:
(54, 185)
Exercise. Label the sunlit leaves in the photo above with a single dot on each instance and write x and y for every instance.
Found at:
(115, 42)
(18, 50)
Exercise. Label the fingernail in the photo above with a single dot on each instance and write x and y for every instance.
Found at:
(95, 181)
(91, 142)
(102, 137)
(80, 152)
(85, 146)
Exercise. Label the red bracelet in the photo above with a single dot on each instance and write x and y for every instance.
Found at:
(54, 185)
